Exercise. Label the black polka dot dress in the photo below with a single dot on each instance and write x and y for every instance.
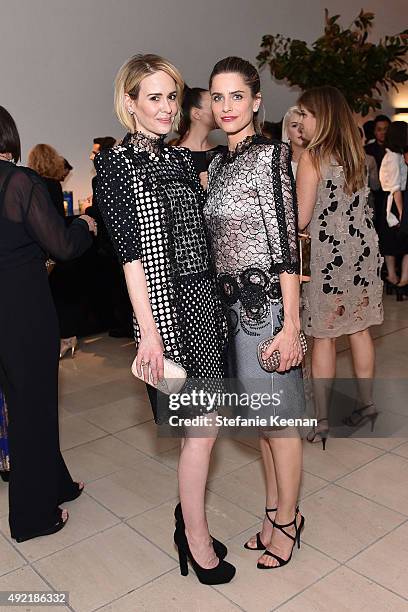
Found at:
(151, 201)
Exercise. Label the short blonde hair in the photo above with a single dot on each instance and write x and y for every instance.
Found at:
(129, 78)
(45, 160)
(293, 110)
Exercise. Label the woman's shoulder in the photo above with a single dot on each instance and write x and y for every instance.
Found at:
(272, 149)
(25, 177)
(117, 157)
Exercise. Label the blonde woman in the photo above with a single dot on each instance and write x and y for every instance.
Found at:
(293, 136)
(344, 295)
(151, 200)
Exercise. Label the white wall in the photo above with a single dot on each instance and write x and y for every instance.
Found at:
(59, 58)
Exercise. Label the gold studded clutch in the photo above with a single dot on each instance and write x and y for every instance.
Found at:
(272, 363)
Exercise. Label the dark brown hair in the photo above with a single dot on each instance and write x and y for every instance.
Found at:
(248, 72)
(191, 99)
(9, 136)
(397, 136)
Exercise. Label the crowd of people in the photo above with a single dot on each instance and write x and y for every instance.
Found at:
(206, 241)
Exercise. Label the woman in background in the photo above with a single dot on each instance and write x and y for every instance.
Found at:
(196, 124)
(30, 229)
(64, 280)
(45, 160)
(344, 295)
(292, 135)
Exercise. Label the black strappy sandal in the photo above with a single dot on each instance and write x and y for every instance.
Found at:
(358, 418)
(259, 543)
(295, 539)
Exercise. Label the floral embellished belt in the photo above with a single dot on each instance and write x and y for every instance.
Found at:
(252, 287)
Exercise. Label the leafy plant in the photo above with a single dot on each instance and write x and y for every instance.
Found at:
(343, 58)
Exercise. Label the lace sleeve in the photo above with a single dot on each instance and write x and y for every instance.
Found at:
(277, 200)
(117, 203)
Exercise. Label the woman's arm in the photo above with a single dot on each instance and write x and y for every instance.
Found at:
(390, 177)
(278, 204)
(307, 181)
(118, 205)
(46, 226)
(150, 350)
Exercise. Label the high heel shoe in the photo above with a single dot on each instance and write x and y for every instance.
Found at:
(219, 548)
(295, 539)
(322, 433)
(53, 529)
(358, 419)
(220, 574)
(259, 544)
(68, 344)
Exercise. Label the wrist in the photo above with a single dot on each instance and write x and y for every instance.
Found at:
(148, 329)
(291, 324)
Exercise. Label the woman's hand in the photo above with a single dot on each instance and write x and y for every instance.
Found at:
(287, 342)
(92, 225)
(150, 357)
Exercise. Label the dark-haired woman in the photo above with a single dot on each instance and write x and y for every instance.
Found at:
(196, 124)
(30, 229)
(252, 224)
(393, 230)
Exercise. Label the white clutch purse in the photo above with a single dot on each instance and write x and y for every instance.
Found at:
(173, 379)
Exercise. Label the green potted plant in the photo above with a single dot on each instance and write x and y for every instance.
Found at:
(342, 57)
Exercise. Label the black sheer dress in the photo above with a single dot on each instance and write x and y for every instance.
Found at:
(30, 229)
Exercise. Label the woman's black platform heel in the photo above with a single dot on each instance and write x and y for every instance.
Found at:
(221, 574)
(219, 548)
(295, 538)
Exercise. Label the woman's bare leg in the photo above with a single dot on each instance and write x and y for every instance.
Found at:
(271, 492)
(192, 475)
(392, 275)
(287, 454)
(363, 355)
(323, 372)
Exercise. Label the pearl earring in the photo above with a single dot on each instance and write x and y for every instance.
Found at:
(130, 111)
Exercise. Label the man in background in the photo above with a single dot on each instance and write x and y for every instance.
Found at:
(377, 148)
